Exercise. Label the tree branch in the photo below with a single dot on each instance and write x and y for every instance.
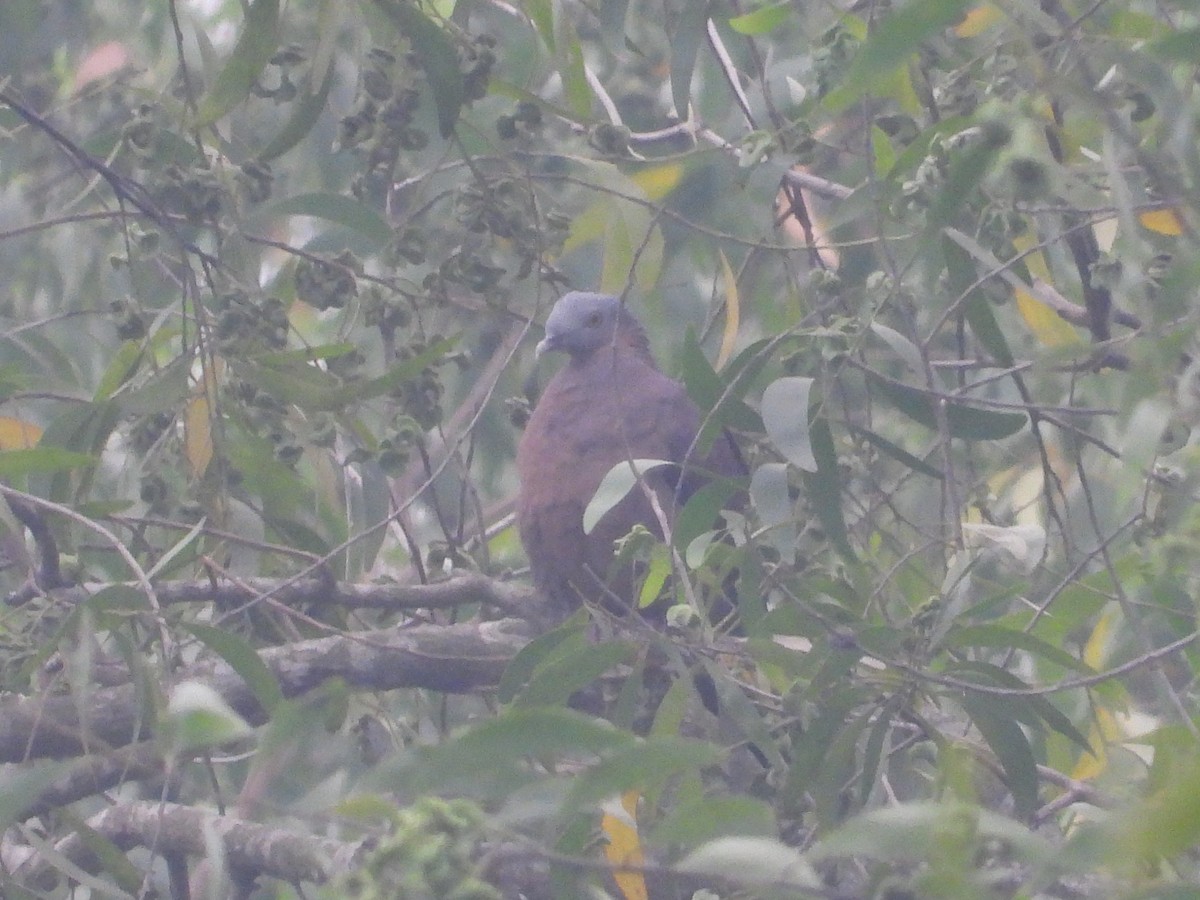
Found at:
(449, 658)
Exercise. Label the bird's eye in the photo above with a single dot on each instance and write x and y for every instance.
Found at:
(593, 320)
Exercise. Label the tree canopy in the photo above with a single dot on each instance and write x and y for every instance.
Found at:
(273, 275)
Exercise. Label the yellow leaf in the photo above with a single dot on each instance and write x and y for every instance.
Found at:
(17, 434)
(1047, 325)
(619, 824)
(1034, 261)
(732, 312)
(658, 181)
(978, 20)
(1162, 221)
(1103, 732)
(1095, 652)
(1105, 728)
(197, 429)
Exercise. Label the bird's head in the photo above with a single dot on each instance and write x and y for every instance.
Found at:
(582, 322)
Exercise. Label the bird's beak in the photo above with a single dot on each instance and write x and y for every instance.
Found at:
(545, 345)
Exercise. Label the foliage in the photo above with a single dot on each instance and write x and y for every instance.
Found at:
(273, 274)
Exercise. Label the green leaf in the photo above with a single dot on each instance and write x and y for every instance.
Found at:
(917, 831)
(438, 56)
(18, 463)
(997, 721)
(542, 650)
(825, 489)
(553, 682)
(541, 14)
(761, 20)
(656, 575)
(709, 818)
(686, 39)
(785, 416)
(306, 354)
(905, 349)
(254, 48)
(569, 52)
(738, 710)
(617, 482)
(960, 268)
(642, 766)
(892, 42)
(883, 152)
(23, 786)
(403, 371)
(494, 753)
(627, 232)
(340, 208)
(701, 511)
(1001, 637)
(967, 170)
(771, 501)
(707, 389)
(240, 655)
(306, 111)
(199, 718)
(880, 728)
(107, 857)
(315, 389)
(165, 388)
(965, 422)
(897, 453)
(121, 368)
(1180, 46)
(1033, 710)
(752, 861)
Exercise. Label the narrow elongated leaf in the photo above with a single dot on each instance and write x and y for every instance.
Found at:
(825, 489)
(903, 347)
(571, 67)
(17, 463)
(253, 50)
(438, 56)
(1001, 637)
(542, 650)
(553, 684)
(997, 722)
(761, 20)
(917, 831)
(707, 389)
(236, 651)
(618, 482)
(685, 44)
(785, 415)
(897, 453)
(893, 41)
(22, 787)
(708, 818)
(771, 501)
(339, 208)
(306, 110)
(1033, 710)
(496, 750)
(642, 766)
(969, 423)
(752, 861)
(960, 269)
(733, 312)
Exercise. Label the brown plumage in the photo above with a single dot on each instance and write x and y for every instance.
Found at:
(608, 404)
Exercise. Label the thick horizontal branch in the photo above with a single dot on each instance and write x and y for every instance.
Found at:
(460, 590)
(176, 830)
(449, 658)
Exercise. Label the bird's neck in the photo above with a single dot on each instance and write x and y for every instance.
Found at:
(622, 351)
